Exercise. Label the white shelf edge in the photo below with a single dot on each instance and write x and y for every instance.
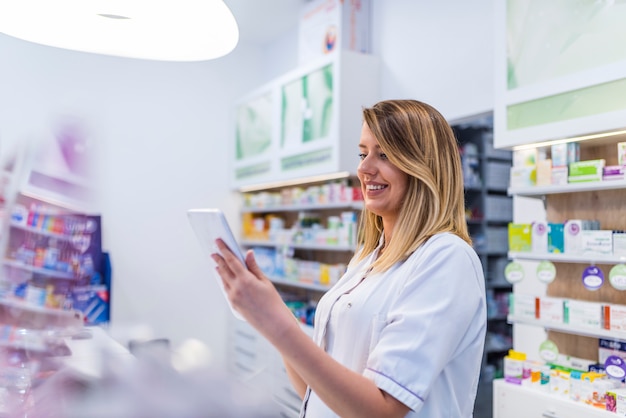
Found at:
(301, 285)
(569, 329)
(310, 206)
(538, 191)
(568, 258)
(321, 247)
(61, 275)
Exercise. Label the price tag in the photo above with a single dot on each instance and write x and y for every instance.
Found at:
(548, 351)
(546, 272)
(593, 278)
(514, 272)
(617, 276)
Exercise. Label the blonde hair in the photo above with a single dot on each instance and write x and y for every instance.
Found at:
(419, 141)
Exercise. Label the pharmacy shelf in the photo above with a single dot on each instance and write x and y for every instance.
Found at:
(539, 191)
(55, 274)
(357, 205)
(40, 231)
(568, 258)
(316, 247)
(569, 329)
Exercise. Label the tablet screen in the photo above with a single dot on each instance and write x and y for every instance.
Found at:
(209, 225)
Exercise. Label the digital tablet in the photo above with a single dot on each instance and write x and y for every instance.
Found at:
(209, 225)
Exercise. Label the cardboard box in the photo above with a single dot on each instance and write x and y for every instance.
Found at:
(522, 306)
(583, 171)
(544, 172)
(550, 309)
(520, 237)
(615, 317)
(327, 26)
(583, 314)
(598, 242)
(539, 238)
(556, 244)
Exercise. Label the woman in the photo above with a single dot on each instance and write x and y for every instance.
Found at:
(402, 333)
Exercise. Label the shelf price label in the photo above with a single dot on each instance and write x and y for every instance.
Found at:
(546, 272)
(514, 272)
(593, 278)
(548, 351)
(617, 276)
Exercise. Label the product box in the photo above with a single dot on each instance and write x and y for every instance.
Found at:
(523, 176)
(615, 317)
(583, 314)
(621, 153)
(539, 237)
(619, 243)
(598, 242)
(93, 301)
(549, 309)
(558, 154)
(607, 348)
(556, 244)
(572, 234)
(525, 157)
(544, 172)
(616, 401)
(329, 25)
(514, 367)
(573, 152)
(520, 237)
(522, 306)
(559, 175)
(560, 381)
(613, 172)
(583, 171)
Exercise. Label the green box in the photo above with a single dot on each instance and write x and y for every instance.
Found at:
(590, 170)
(520, 237)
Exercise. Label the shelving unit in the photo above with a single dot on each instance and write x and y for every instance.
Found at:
(489, 210)
(601, 200)
(252, 358)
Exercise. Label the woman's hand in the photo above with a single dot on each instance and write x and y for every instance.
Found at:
(252, 294)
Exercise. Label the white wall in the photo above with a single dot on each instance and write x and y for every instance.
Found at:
(163, 129)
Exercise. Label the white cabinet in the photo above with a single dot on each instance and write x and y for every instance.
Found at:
(545, 87)
(514, 401)
(306, 122)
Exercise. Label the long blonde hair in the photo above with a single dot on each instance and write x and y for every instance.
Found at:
(419, 141)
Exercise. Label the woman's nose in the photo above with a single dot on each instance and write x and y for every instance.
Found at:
(366, 166)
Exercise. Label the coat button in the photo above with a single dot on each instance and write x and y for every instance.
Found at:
(349, 304)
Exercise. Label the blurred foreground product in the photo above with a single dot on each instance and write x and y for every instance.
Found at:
(149, 387)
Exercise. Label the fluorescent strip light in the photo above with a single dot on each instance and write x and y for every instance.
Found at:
(567, 140)
(168, 30)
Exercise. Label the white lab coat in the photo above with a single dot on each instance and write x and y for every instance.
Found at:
(416, 330)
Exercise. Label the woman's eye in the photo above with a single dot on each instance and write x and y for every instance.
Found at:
(362, 156)
(383, 156)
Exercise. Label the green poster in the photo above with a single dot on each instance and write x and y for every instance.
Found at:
(307, 107)
(254, 127)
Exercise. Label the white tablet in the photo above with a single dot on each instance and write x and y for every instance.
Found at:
(209, 225)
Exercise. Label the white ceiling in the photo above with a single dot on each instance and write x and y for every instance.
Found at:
(262, 21)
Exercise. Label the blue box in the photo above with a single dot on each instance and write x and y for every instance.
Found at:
(556, 241)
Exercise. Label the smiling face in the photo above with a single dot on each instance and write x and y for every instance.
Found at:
(383, 184)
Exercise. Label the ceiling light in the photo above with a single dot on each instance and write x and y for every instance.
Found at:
(168, 30)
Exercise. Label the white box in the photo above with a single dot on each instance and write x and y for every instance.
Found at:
(579, 313)
(615, 317)
(327, 26)
(619, 243)
(539, 237)
(522, 306)
(596, 242)
(572, 241)
(550, 309)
